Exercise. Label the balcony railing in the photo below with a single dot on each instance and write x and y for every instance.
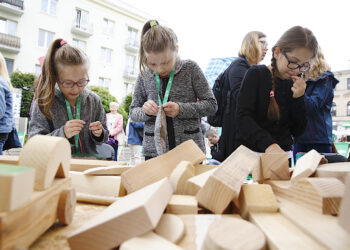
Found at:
(132, 45)
(82, 30)
(10, 43)
(12, 6)
(130, 74)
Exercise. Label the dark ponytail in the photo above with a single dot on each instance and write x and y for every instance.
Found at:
(273, 112)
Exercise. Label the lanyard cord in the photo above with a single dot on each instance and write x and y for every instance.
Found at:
(77, 116)
(168, 87)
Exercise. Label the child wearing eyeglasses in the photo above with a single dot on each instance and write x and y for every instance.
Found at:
(271, 103)
(63, 106)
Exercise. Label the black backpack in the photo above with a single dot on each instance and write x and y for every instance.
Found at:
(220, 95)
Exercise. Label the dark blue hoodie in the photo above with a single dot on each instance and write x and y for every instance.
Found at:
(319, 98)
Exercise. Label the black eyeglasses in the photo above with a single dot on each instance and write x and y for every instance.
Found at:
(293, 65)
(70, 84)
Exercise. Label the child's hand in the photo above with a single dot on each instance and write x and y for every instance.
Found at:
(73, 127)
(171, 109)
(299, 86)
(96, 128)
(150, 108)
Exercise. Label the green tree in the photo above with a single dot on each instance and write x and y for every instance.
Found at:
(127, 103)
(24, 81)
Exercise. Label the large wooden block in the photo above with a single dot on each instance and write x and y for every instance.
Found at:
(344, 215)
(322, 195)
(338, 170)
(200, 169)
(257, 198)
(49, 156)
(110, 170)
(182, 204)
(306, 165)
(16, 186)
(178, 178)
(275, 166)
(194, 184)
(157, 168)
(225, 183)
(132, 215)
(86, 164)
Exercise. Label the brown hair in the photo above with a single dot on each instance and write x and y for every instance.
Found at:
(250, 47)
(59, 54)
(155, 39)
(319, 66)
(295, 37)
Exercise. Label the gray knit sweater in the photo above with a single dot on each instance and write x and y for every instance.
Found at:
(190, 90)
(91, 111)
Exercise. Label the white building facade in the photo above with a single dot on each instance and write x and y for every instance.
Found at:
(107, 30)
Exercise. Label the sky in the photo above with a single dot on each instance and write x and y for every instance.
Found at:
(209, 29)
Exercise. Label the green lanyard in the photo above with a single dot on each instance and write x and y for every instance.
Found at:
(77, 116)
(168, 87)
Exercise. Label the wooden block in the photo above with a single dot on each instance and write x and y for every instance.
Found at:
(148, 241)
(22, 226)
(49, 156)
(233, 233)
(182, 204)
(178, 178)
(85, 164)
(306, 165)
(132, 215)
(323, 195)
(194, 184)
(324, 229)
(16, 185)
(344, 215)
(257, 198)
(157, 168)
(97, 185)
(200, 169)
(281, 233)
(110, 170)
(96, 199)
(171, 227)
(9, 159)
(225, 183)
(66, 206)
(338, 170)
(275, 166)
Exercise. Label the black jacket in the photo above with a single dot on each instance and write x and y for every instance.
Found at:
(254, 129)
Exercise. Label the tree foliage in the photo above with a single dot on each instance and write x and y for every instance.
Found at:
(24, 81)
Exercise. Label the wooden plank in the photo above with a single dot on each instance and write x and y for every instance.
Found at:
(306, 165)
(244, 235)
(96, 199)
(322, 228)
(49, 156)
(257, 198)
(323, 195)
(178, 178)
(171, 227)
(16, 185)
(194, 184)
(21, 227)
(344, 215)
(182, 204)
(132, 215)
(200, 169)
(275, 166)
(110, 170)
(225, 183)
(338, 170)
(9, 159)
(157, 168)
(85, 164)
(148, 241)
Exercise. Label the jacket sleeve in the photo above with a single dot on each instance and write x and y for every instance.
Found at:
(137, 124)
(100, 116)
(139, 98)
(248, 129)
(297, 116)
(319, 96)
(118, 126)
(206, 103)
(2, 102)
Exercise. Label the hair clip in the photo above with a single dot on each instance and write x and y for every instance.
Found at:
(153, 23)
(272, 93)
(63, 42)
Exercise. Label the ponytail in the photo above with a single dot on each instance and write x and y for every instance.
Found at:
(273, 112)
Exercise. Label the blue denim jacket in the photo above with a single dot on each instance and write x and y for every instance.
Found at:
(6, 114)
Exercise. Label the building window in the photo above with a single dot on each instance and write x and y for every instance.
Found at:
(104, 82)
(81, 20)
(108, 27)
(348, 83)
(45, 38)
(49, 6)
(9, 65)
(80, 44)
(37, 69)
(132, 36)
(130, 65)
(128, 88)
(348, 108)
(334, 109)
(106, 55)
(8, 27)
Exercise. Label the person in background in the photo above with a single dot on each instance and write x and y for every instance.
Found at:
(135, 137)
(253, 50)
(115, 127)
(319, 95)
(213, 139)
(271, 104)
(169, 91)
(63, 106)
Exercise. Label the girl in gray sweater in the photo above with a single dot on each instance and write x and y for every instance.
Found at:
(170, 85)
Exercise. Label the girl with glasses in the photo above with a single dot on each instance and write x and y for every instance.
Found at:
(271, 103)
(63, 106)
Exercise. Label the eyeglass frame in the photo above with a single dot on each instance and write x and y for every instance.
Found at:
(297, 67)
(78, 83)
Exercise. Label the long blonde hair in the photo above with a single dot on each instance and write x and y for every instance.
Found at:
(319, 66)
(4, 72)
(250, 47)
